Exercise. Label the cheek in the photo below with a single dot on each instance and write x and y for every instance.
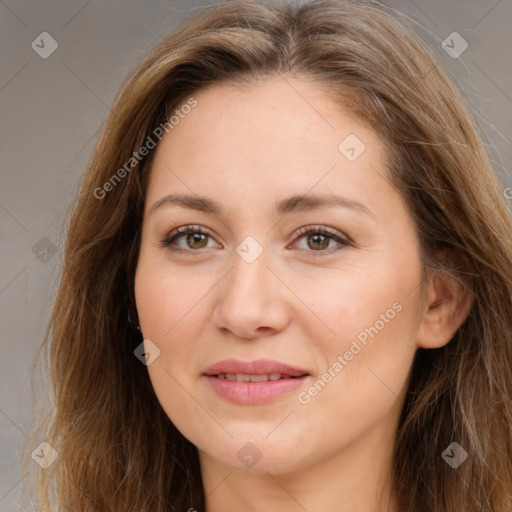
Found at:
(366, 365)
(348, 303)
(373, 320)
(166, 299)
(172, 315)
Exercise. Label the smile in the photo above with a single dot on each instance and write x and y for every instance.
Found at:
(245, 389)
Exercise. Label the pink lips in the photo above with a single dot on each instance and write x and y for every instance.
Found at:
(251, 393)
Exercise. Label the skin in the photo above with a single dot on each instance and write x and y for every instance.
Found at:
(247, 148)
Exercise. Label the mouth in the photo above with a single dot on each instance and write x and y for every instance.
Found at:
(254, 382)
(262, 377)
(255, 368)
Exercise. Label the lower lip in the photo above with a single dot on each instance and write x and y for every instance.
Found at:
(252, 393)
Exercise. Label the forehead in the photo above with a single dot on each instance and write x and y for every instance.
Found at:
(274, 136)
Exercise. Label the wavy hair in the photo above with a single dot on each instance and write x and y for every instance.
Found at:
(117, 449)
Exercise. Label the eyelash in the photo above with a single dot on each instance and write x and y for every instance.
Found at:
(307, 230)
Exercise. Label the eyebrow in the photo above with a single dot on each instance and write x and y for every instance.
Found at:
(291, 204)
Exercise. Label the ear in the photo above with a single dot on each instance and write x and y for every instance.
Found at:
(445, 308)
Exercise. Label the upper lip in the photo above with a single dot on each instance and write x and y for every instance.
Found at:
(256, 367)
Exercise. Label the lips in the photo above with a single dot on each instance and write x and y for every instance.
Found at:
(254, 382)
(254, 368)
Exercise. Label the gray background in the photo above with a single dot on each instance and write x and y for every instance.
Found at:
(51, 111)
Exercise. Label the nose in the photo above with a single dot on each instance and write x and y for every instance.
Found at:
(251, 299)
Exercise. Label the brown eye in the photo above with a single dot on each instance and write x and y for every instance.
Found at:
(318, 239)
(195, 238)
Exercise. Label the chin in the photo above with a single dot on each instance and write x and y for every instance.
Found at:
(257, 453)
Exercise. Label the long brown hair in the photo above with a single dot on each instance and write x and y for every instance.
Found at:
(117, 449)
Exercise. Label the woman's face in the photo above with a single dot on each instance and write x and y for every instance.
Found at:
(254, 295)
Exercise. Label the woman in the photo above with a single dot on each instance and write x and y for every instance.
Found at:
(286, 282)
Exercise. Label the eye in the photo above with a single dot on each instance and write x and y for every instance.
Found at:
(196, 238)
(318, 239)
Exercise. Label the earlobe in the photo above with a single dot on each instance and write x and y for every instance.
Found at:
(446, 306)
